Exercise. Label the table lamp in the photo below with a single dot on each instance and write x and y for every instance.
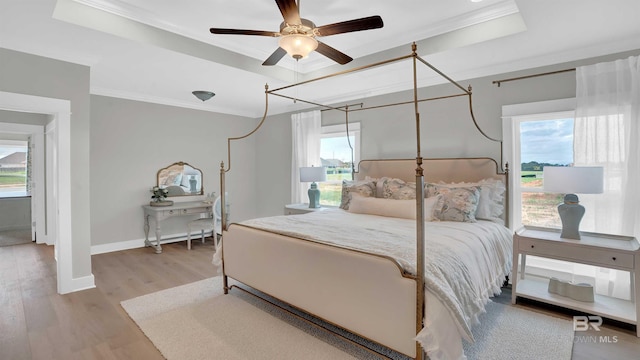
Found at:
(570, 180)
(313, 174)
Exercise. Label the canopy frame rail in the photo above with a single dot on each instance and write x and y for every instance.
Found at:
(420, 233)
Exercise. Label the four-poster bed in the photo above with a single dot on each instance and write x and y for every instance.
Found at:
(373, 294)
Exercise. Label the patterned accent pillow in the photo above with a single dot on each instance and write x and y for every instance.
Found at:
(392, 188)
(460, 203)
(366, 188)
(490, 204)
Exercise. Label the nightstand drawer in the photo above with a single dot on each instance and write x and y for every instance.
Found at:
(606, 258)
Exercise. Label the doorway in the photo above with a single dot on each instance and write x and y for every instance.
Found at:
(59, 111)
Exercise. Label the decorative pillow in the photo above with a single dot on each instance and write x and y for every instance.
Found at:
(460, 203)
(392, 188)
(405, 209)
(490, 205)
(432, 205)
(366, 188)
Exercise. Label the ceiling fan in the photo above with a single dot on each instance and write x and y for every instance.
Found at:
(298, 35)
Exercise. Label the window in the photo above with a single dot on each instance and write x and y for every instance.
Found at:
(13, 168)
(536, 135)
(337, 157)
(546, 140)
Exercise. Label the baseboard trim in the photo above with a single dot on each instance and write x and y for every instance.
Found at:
(78, 284)
(84, 283)
(139, 243)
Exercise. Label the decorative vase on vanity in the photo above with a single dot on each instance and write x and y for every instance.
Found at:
(159, 197)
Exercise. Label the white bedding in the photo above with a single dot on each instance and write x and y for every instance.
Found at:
(465, 263)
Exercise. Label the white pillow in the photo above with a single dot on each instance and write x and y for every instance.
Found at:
(405, 209)
(432, 205)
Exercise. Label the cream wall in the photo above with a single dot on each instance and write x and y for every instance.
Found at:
(446, 127)
(131, 141)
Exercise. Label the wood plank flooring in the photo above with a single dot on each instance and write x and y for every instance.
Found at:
(15, 237)
(37, 323)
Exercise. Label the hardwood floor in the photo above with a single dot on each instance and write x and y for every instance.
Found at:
(15, 237)
(37, 323)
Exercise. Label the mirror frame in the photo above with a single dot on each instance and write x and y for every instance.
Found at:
(182, 163)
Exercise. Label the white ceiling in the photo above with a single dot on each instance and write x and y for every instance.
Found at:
(161, 50)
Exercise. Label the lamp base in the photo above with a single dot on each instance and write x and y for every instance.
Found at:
(571, 213)
(314, 196)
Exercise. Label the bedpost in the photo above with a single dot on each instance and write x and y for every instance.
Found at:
(507, 201)
(420, 238)
(223, 223)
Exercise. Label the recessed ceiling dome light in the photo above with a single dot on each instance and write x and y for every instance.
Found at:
(203, 95)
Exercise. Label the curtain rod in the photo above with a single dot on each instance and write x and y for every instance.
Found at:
(531, 76)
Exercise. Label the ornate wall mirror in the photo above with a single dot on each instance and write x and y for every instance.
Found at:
(181, 179)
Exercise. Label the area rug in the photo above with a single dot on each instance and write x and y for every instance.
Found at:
(195, 321)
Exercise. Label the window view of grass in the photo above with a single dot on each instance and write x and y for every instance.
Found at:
(13, 178)
(331, 190)
(13, 168)
(543, 143)
(538, 208)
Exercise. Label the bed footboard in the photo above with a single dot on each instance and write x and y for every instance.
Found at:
(363, 293)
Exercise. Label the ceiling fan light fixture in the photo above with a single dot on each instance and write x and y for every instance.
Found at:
(203, 95)
(298, 46)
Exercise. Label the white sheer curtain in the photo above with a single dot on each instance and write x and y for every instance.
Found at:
(305, 130)
(607, 133)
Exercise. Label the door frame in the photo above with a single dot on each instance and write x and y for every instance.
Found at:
(60, 110)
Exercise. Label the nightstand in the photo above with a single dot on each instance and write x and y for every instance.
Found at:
(609, 251)
(297, 209)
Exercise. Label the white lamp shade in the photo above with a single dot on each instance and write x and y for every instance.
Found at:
(573, 180)
(312, 174)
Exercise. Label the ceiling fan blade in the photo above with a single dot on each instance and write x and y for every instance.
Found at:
(367, 23)
(333, 54)
(220, 31)
(289, 11)
(275, 57)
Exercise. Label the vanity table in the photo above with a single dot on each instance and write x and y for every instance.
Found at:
(161, 213)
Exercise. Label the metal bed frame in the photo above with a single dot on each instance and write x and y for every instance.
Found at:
(419, 171)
